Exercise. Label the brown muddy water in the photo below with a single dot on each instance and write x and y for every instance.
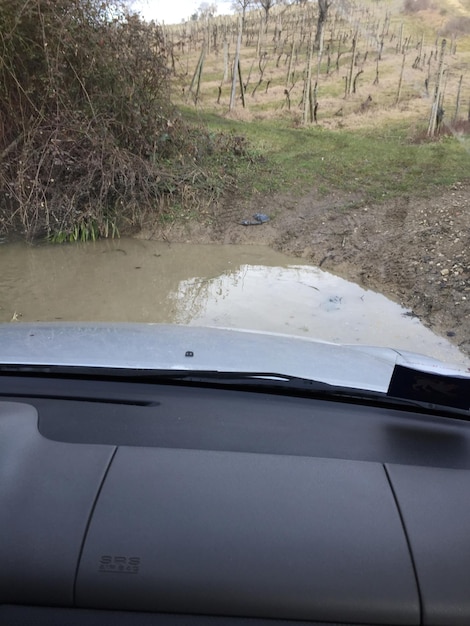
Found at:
(254, 287)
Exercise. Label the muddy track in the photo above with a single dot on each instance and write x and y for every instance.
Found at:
(416, 251)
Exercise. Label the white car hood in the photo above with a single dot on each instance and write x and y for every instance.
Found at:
(156, 346)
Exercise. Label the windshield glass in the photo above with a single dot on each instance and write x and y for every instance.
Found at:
(292, 167)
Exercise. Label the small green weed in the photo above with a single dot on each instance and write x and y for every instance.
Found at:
(85, 230)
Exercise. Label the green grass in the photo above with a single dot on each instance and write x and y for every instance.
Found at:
(378, 164)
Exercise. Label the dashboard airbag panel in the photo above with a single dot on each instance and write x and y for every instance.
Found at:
(257, 535)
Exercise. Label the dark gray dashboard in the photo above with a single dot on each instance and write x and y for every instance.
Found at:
(206, 502)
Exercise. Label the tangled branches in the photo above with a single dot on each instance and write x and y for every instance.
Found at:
(88, 136)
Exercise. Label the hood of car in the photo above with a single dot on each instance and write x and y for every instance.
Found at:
(164, 347)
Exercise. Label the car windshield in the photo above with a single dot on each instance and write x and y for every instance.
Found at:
(294, 167)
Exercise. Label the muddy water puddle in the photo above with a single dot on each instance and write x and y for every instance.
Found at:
(231, 286)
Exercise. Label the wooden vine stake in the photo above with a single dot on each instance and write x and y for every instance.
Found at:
(291, 60)
(236, 68)
(314, 102)
(307, 86)
(240, 80)
(436, 109)
(400, 81)
(353, 62)
(196, 80)
(457, 102)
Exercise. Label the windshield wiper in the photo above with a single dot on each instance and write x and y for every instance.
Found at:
(402, 392)
(217, 378)
(409, 388)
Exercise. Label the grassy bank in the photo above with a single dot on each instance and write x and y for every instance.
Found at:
(378, 163)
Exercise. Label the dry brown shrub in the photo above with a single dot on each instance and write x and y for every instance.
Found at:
(89, 141)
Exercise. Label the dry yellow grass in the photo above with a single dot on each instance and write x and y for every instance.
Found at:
(371, 22)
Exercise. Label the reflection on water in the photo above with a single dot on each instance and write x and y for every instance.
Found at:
(304, 300)
(233, 286)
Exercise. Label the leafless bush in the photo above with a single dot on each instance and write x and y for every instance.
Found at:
(89, 140)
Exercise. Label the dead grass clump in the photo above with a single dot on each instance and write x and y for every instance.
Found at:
(413, 6)
(458, 128)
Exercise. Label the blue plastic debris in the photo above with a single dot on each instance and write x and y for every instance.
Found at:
(261, 217)
(258, 218)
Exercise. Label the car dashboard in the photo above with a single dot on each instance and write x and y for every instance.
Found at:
(141, 503)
